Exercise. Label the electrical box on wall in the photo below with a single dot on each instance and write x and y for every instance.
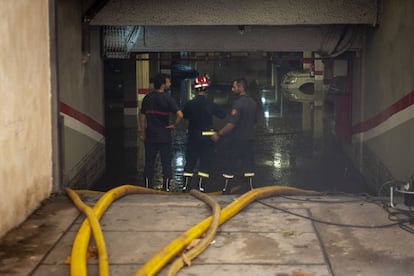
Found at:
(340, 67)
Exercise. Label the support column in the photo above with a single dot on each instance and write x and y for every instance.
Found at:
(306, 116)
(318, 103)
(306, 106)
(142, 69)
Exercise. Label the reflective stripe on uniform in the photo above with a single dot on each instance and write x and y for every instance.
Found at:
(203, 174)
(208, 133)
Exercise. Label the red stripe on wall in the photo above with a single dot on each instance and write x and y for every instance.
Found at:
(143, 91)
(308, 60)
(403, 103)
(319, 73)
(81, 117)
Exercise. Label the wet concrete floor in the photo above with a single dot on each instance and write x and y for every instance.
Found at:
(274, 236)
(285, 154)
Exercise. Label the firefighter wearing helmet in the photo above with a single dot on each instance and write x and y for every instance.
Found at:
(200, 83)
(199, 112)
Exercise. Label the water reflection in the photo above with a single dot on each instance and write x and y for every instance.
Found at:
(284, 155)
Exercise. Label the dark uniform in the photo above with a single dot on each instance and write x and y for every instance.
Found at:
(199, 112)
(157, 108)
(241, 144)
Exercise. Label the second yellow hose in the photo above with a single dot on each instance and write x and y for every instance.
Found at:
(159, 260)
(204, 243)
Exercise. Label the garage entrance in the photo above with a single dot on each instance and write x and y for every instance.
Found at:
(286, 152)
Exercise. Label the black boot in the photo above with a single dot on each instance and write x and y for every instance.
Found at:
(166, 183)
(148, 183)
(187, 180)
(227, 178)
(249, 177)
(202, 177)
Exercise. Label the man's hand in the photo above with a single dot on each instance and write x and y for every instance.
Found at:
(215, 137)
(173, 126)
(141, 135)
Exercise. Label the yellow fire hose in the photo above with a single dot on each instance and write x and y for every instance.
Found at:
(204, 243)
(78, 265)
(158, 261)
(96, 230)
(78, 259)
(80, 245)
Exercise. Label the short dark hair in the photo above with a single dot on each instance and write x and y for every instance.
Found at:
(241, 82)
(160, 79)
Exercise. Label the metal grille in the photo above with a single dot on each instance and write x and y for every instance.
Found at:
(119, 40)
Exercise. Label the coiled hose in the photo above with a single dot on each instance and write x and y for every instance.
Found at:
(78, 263)
(78, 258)
(96, 230)
(204, 243)
(158, 261)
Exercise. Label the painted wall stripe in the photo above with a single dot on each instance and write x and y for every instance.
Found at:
(396, 114)
(143, 91)
(78, 126)
(82, 123)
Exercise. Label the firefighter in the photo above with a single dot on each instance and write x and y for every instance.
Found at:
(241, 129)
(156, 129)
(199, 112)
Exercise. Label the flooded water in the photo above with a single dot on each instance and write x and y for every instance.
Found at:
(285, 154)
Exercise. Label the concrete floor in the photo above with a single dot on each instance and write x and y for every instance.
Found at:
(276, 236)
(289, 236)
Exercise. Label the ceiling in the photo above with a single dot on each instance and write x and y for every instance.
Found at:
(326, 26)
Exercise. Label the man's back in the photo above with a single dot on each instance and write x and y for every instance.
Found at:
(157, 108)
(244, 117)
(200, 111)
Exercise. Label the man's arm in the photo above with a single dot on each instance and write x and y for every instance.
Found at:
(226, 129)
(142, 126)
(178, 119)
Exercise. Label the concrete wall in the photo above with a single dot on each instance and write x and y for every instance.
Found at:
(25, 110)
(80, 78)
(383, 115)
(236, 12)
